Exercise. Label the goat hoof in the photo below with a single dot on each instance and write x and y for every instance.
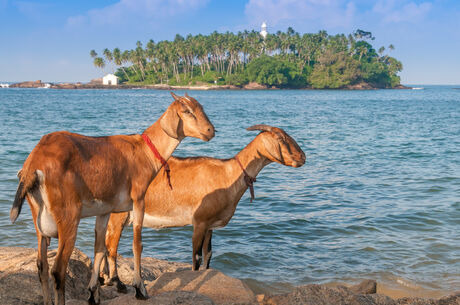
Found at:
(94, 295)
(93, 298)
(101, 280)
(121, 288)
(141, 293)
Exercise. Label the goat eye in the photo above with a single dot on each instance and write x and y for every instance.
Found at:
(187, 112)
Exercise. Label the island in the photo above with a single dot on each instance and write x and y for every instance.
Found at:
(253, 60)
(247, 60)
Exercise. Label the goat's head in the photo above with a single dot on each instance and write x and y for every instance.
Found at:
(185, 117)
(278, 146)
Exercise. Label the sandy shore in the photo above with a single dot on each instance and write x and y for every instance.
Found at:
(250, 86)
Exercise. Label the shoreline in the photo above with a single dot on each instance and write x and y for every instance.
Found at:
(250, 86)
(169, 281)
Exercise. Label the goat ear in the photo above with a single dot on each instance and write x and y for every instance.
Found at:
(273, 148)
(170, 122)
(176, 98)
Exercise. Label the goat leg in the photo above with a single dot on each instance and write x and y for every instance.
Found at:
(207, 249)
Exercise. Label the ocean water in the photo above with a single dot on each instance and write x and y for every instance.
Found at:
(379, 195)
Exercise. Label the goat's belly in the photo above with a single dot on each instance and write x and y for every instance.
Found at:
(157, 222)
(95, 208)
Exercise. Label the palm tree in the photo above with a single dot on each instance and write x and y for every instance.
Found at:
(99, 63)
(118, 60)
(108, 55)
(93, 54)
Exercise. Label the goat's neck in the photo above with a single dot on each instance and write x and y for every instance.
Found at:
(251, 160)
(163, 143)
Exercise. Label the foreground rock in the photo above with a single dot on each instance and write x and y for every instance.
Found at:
(19, 282)
(217, 286)
(167, 282)
(174, 283)
(362, 294)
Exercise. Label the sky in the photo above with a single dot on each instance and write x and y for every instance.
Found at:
(51, 40)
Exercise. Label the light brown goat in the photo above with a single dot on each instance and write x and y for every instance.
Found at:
(205, 193)
(68, 176)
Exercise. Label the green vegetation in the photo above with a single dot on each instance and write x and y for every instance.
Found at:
(283, 60)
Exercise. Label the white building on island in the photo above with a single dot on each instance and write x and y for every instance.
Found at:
(110, 79)
(263, 31)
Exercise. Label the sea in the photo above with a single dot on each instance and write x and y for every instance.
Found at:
(378, 197)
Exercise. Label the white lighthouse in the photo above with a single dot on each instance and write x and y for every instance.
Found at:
(263, 30)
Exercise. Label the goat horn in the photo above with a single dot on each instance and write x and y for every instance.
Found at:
(261, 127)
(176, 98)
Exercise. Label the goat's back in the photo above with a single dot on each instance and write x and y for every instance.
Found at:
(95, 165)
(193, 180)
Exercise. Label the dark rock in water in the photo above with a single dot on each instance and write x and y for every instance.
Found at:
(365, 287)
(28, 84)
(254, 86)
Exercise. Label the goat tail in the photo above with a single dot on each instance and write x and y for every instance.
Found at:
(25, 184)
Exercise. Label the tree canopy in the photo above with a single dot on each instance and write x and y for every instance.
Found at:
(283, 59)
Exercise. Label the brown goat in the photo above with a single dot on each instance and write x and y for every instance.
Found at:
(68, 176)
(205, 193)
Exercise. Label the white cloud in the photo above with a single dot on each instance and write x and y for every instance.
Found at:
(393, 11)
(32, 10)
(325, 13)
(126, 11)
(335, 14)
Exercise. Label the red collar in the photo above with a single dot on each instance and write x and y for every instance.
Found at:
(158, 156)
(248, 179)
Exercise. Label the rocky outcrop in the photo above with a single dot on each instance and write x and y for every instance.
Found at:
(254, 86)
(29, 84)
(174, 283)
(19, 282)
(360, 86)
(166, 282)
(219, 287)
(362, 294)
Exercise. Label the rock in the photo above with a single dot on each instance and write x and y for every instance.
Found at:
(365, 287)
(360, 86)
(217, 286)
(450, 300)
(19, 283)
(174, 283)
(151, 268)
(28, 84)
(97, 81)
(340, 295)
(323, 295)
(165, 298)
(416, 301)
(254, 86)
(76, 302)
